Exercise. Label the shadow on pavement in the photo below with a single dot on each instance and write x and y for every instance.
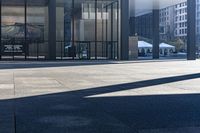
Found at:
(72, 112)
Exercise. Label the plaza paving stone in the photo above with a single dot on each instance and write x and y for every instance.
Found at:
(100, 97)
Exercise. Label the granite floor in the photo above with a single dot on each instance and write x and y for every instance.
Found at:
(100, 97)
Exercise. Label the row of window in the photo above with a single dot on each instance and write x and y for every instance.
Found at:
(181, 11)
(181, 32)
(164, 16)
(181, 25)
(181, 5)
(163, 19)
(181, 18)
(164, 13)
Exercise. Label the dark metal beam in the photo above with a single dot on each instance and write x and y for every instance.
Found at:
(52, 30)
(191, 29)
(124, 29)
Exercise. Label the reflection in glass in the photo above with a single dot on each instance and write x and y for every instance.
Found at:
(13, 30)
(87, 29)
(37, 29)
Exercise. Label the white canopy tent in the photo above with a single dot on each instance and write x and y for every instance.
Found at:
(165, 49)
(165, 45)
(143, 44)
(144, 48)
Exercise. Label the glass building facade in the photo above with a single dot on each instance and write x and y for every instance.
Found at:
(60, 29)
(98, 29)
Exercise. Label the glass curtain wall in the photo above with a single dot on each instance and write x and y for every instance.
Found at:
(64, 32)
(24, 29)
(111, 29)
(87, 29)
(13, 29)
(37, 29)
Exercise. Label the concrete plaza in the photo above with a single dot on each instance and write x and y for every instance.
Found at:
(100, 97)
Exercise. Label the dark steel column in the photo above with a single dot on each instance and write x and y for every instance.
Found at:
(124, 29)
(111, 29)
(191, 28)
(118, 29)
(73, 51)
(0, 32)
(156, 39)
(132, 19)
(25, 29)
(96, 29)
(132, 26)
(52, 30)
(107, 32)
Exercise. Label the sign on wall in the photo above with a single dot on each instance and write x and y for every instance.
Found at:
(13, 48)
(10, 46)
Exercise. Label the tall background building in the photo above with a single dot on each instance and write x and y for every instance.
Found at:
(173, 25)
(167, 23)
